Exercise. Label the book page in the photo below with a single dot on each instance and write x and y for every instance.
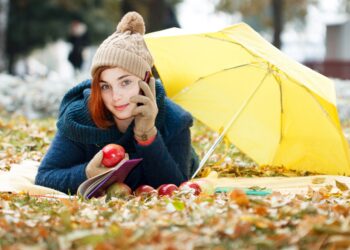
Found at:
(82, 189)
(97, 186)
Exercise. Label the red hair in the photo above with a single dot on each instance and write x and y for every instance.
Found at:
(99, 113)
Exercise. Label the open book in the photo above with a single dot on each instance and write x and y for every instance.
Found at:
(98, 185)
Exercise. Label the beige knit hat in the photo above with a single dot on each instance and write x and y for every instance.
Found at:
(125, 48)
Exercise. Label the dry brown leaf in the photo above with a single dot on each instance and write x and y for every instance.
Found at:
(239, 197)
(342, 186)
(318, 180)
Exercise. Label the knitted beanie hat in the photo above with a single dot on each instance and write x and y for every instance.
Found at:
(125, 48)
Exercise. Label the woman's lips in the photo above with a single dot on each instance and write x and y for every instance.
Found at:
(121, 107)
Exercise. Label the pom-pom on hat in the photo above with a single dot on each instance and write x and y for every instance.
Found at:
(125, 48)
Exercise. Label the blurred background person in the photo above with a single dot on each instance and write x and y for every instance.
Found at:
(79, 40)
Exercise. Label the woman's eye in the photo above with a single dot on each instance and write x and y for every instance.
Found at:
(105, 87)
(125, 82)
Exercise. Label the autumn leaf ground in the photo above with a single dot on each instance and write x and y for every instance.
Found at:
(318, 220)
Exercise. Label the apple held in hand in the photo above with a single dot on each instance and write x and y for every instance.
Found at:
(167, 189)
(144, 189)
(112, 155)
(191, 185)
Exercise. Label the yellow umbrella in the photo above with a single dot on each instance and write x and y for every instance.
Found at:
(275, 110)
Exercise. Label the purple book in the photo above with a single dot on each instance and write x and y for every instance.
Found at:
(98, 185)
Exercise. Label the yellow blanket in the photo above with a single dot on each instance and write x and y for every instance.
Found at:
(285, 185)
(21, 178)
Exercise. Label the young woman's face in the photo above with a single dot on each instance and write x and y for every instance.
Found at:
(117, 86)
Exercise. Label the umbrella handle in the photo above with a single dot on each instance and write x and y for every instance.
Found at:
(230, 123)
(208, 154)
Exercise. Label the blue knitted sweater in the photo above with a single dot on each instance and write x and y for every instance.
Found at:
(169, 159)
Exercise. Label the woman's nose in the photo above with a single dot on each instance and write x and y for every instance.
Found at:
(117, 94)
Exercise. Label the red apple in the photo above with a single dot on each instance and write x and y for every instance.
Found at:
(195, 186)
(166, 189)
(207, 186)
(112, 155)
(119, 190)
(144, 189)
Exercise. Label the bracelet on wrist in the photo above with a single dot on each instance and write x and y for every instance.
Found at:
(146, 143)
(146, 135)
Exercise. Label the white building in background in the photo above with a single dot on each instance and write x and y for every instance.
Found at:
(337, 40)
(337, 57)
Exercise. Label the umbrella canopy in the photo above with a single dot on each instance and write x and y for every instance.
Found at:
(275, 110)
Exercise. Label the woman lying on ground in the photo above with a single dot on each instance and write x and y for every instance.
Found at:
(117, 106)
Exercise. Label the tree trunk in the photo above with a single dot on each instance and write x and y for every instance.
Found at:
(158, 14)
(156, 11)
(4, 7)
(277, 11)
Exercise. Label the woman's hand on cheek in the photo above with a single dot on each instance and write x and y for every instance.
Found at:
(145, 114)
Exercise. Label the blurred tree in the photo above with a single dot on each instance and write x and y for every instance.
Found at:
(33, 23)
(3, 25)
(158, 14)
(268, 14)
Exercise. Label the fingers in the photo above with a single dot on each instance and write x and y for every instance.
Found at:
(152, 85)
(99, 156)
(97, 159)
(141, 110)
(94, 166)
(139, 99)
(147, 89)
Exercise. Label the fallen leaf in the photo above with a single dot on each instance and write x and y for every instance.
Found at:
(239, 197)
(318, 180)
(342, 186)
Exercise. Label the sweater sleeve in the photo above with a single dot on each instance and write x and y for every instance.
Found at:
(63, 167)
(167, 163)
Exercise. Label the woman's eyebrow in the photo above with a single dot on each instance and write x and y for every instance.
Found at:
(121, 77)
(118, 79)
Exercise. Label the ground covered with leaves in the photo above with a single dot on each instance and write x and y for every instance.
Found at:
(317, 220)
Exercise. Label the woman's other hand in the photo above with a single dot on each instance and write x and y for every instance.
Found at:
(146, 113)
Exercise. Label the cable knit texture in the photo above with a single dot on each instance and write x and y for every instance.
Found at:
(170, 158)
(125, 48)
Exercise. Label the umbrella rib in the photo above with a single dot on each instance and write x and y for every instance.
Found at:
(277, 71)
(230, 123)
(345, 145)
(317, 103)
(313, 97)
(211, 74)
(278, 80)
(236, 43)
(223, 40)
(248, 50)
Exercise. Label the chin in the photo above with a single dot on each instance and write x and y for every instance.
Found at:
(123, 116)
